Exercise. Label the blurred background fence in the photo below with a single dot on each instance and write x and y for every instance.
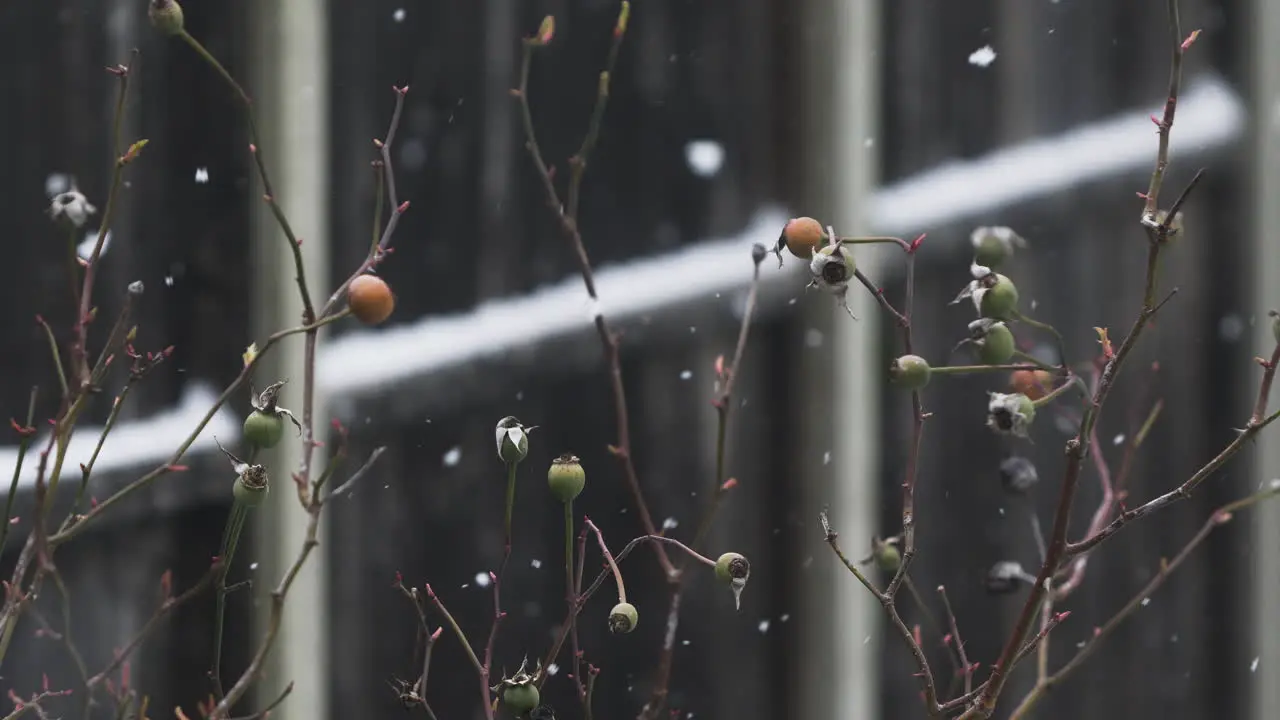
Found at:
(725, 118)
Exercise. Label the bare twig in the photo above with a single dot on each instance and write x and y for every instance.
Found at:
(167, 608)
(608, 557)
(925, 674)
(965, 667)
(457, 629)
(1217, 518)
(569, 228)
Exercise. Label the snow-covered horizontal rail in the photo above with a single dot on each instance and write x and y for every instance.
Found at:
(1211, 115)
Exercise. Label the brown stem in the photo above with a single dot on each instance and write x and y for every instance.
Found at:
(167, 608)
(1217, 518)
(965, 667)
(925, 674)
(608, 339)
(1077, 447)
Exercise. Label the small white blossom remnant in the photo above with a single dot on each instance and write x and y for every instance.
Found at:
(1010, 414)
(983, 56)
(831, 269)
(71, 206)
(704, 157)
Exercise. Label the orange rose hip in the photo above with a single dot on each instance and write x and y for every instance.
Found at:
(370, 299)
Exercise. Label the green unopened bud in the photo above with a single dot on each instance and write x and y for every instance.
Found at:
(995, 346)
(263, 429)
(992, 246)
(733, 570)
(566, 478)
(887, 556)
(166, 16)
(997, 298)
(512, 440)
(520, 691)
(623, 618)
(910, 372)
(252, 486)
(521, 698)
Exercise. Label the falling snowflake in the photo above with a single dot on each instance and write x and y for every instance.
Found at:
(705, 157)
(685, 375)
(763, 627)
(670, 524)
(85, 248)
(482, 579)
(202, 175)
(57, 183)
(398, 15)
(983, 56)
(1253, 666)
(452, 457)
(535, 564)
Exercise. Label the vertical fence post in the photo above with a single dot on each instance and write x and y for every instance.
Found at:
(1266, 259)
(840, 677)
(290, 57)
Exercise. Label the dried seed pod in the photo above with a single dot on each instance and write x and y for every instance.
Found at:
(566, 477)
(1007, 577)
(1010, 414)
(623, 618)
(1018, 474)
